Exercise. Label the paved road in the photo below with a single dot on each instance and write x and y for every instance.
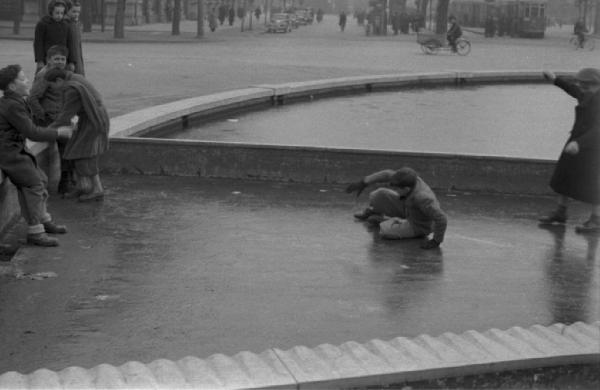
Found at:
(134, 75)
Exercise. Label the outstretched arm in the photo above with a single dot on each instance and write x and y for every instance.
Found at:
(377, 177)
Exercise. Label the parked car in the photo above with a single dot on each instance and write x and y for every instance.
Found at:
(303, 17)
(279, 22)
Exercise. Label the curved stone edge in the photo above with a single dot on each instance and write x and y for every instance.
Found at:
(131, 123)
(351, 364)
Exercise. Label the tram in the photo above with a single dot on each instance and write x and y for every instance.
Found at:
(518, 18)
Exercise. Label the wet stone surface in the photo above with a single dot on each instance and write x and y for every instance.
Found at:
(167, 267)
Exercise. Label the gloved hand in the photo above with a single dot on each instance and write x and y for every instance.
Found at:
(430, 244)
(357, 187)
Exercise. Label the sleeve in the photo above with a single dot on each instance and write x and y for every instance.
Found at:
(38, 42)
(431, 209)
(38, 89)
(379, 177)
(567, 85)
(71, 44)
(71, 106)
(19, 118)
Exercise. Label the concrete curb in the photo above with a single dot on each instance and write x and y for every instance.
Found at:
(196, 108)
(350, 365)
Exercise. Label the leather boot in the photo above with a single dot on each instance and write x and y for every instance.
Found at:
(41, 239)
(97, 193)
(557, 216)
(592, 225)
(52, 228)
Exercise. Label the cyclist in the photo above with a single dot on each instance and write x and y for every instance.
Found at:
(454, 32)
(580, 30)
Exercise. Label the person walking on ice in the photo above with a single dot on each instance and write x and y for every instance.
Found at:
(577, 172)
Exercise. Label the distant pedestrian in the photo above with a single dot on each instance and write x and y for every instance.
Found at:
(408, 209)
(231, 16)
(90, 140)
(73, 12)
(577, 172)
(342, 21)
(319, 15)
(222, 13)
(212, 20)
(52, 30)
(18, 163)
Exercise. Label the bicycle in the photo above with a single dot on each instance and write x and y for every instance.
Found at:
(589, 43)
(434, 43)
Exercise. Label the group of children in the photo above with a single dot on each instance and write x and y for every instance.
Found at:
(62, 106)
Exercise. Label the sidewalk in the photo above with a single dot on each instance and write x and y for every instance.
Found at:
(155, 32)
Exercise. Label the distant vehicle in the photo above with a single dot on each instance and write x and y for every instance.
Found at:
(303, 17)
(519, 18)
(280, 22)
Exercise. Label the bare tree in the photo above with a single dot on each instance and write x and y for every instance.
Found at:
(120, 20)
(200, 21)
(176, 17)
(441, 20)
(597, 18)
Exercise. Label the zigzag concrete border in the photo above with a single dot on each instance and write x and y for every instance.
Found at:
(350, 365)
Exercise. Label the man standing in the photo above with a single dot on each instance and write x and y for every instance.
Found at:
(408, 209)
(18, 163)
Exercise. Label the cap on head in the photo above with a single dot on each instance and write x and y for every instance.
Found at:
(588, 75)
(404, 177)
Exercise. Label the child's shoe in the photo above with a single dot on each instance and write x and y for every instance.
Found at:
(592, 225)
(557, 216)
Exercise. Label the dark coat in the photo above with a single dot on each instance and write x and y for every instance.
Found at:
(77, 56)
(578, 176)
(15, 126)
(82, 99)
(49, 32)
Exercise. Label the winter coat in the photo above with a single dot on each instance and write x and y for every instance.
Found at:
(45, 99)
(82, 99)
(15, 126)
(49, 32)
(77, 56)
(578, 175)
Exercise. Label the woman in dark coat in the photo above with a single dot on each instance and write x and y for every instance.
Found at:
(90, 141)
(52, 30)
(577, 172)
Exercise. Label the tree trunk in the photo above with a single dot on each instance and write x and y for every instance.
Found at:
(597, 18)
(176, 17)
(441, 20)
(120, 20)
(200, 21)
(86, 15)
